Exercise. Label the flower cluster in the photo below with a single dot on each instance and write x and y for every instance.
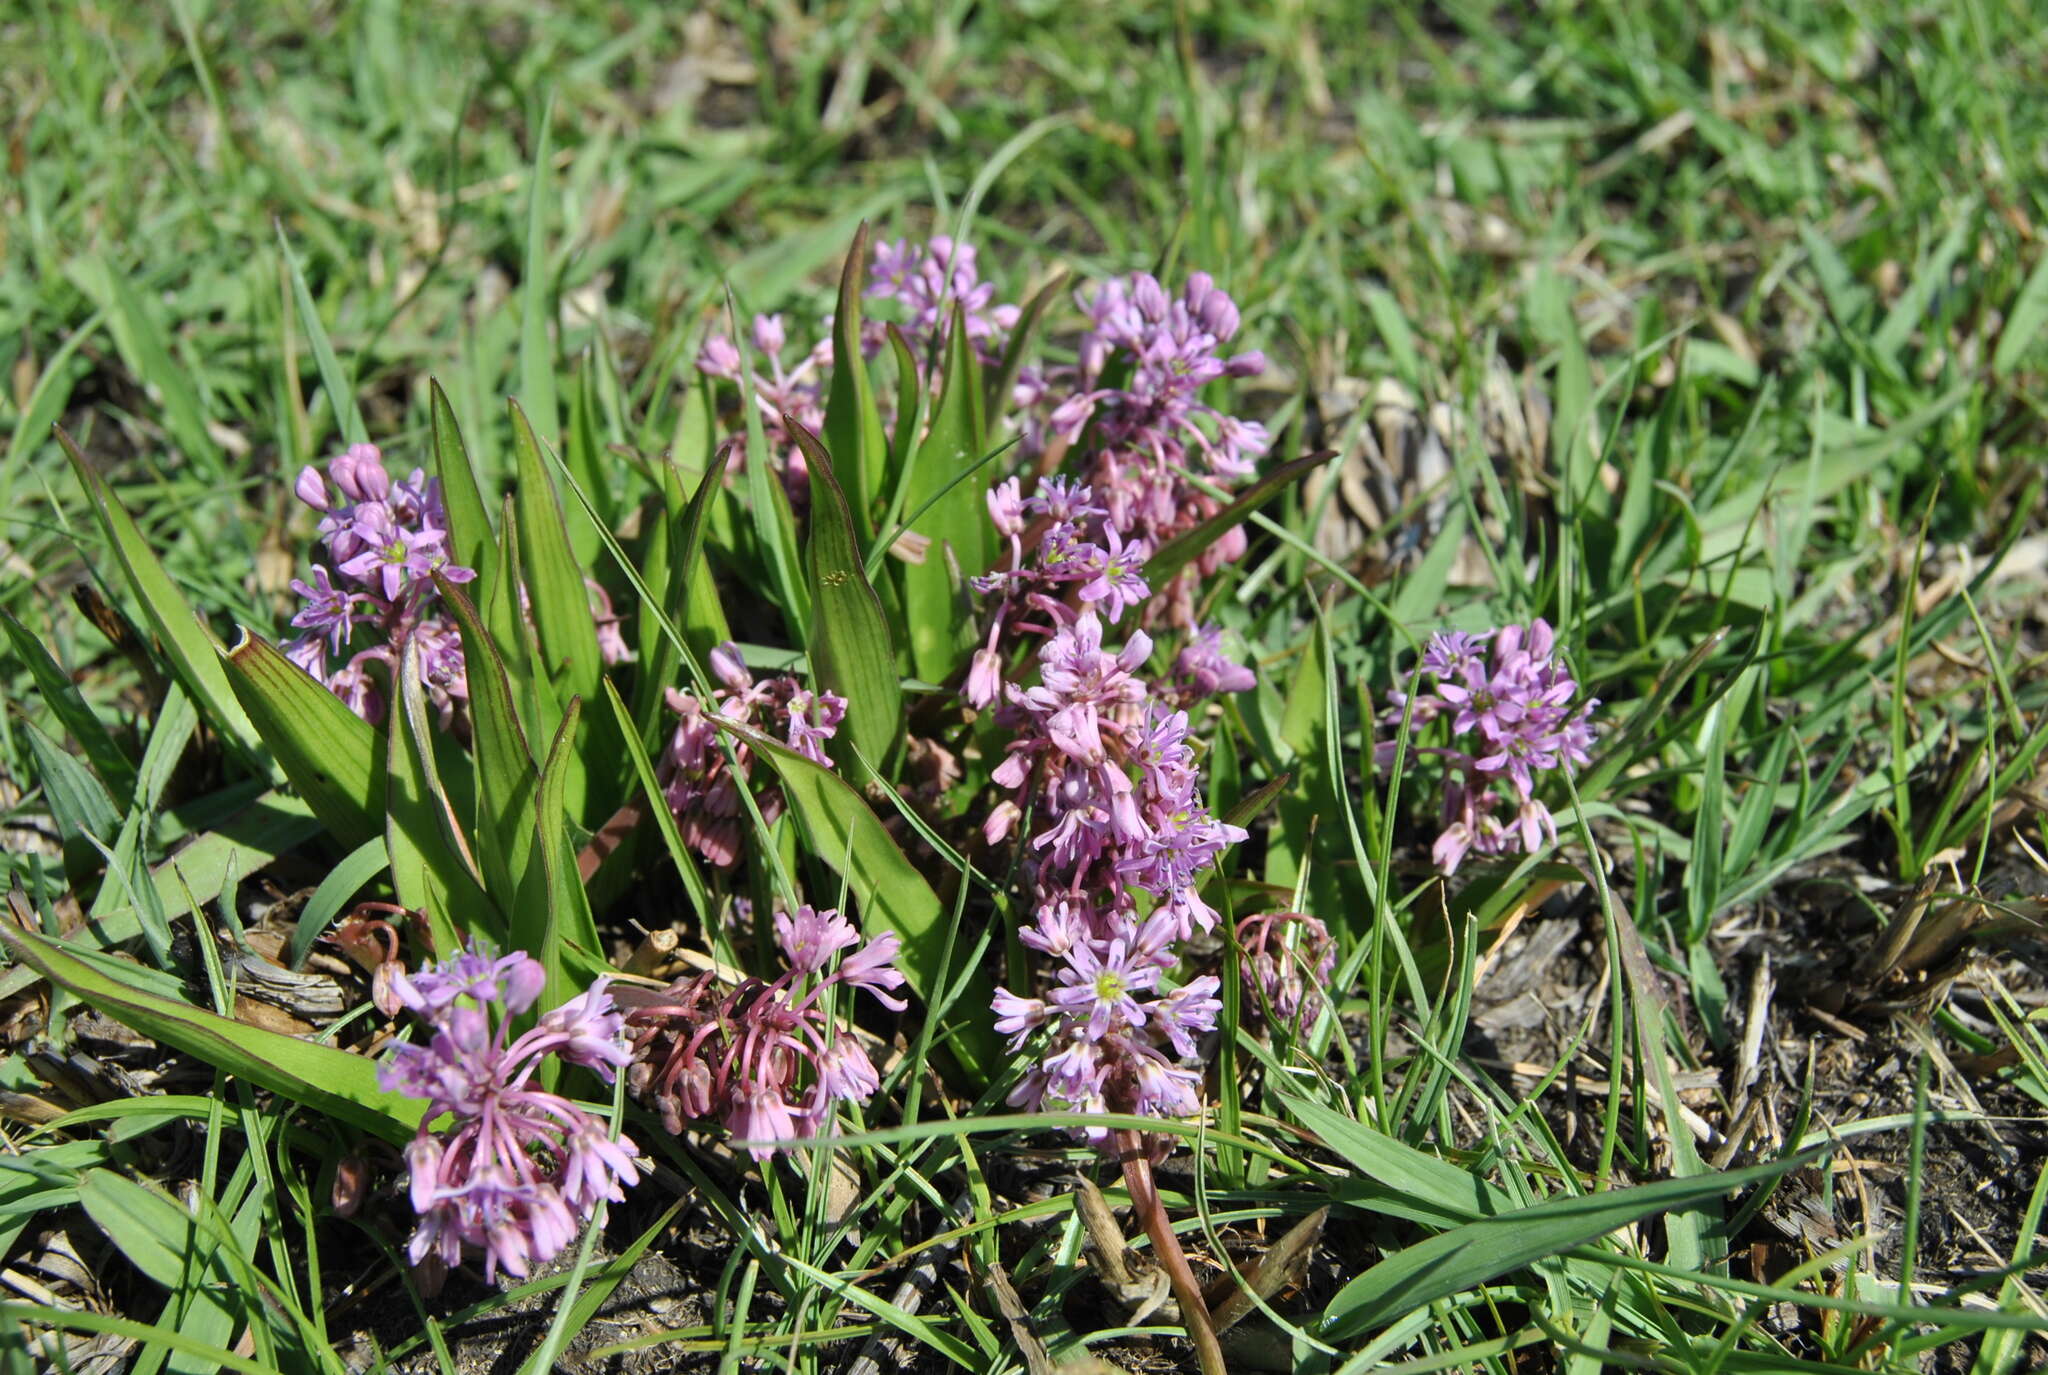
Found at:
(384, 540)
(1114, 875)
(1136, 397)
(696, 775)
(927, 280)
(518, 1167)
(1289, 960)
(765, 1058)
(1509, 704)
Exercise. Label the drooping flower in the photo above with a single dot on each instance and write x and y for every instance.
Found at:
(516, 1168)
(763, 1058)
(1289, 959)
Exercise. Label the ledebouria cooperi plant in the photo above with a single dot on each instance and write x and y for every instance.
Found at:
(764, 1058)
(1508, 699)
(516, 1169)
(696, 776)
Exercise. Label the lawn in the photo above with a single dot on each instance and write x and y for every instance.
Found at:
(1298, 686)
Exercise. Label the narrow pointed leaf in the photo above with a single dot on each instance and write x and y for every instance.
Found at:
(511, 630)
(330, 755)
(192, 648)
(851, 650)
(329, 1080)
(341, 394)
(774, 523)
(536, 300)
(62, 697)
(1022, 338)
(853, 419)
(470, 539)
(1179, 552)
(1450, 1262)
(581, 452)
(553, 907)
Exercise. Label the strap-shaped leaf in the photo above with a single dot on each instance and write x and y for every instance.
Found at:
(553, 906)
(941, 627)
(329, 1080)
(893, 895)
(430, 862)
(851, 650)
(505, 771)
(62, 697)
(853, 418)
(192, 648)
(334, 758)
(470, 540)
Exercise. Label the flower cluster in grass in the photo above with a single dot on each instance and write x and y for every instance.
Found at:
(1509, 702)
(1289, 960)
(765, 1058)
(702, 783)
(517, 1168)
(1099, 756)
(383, 540)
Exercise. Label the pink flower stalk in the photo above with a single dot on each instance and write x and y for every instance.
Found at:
(517, 1169)
(1289, 960)
(698, 778)
(1509, 704)
(384, 540)
(763, 1058)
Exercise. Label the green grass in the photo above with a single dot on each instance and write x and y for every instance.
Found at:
(1772, 287)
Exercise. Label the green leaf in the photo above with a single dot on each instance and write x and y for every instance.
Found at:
(61, 696)
(334, 758)
(1447, 1191)
(343, 882)
(505, 772)
(536, 301)
(774, 524)
(2023, 322)
(341, 394)
(893, 895)
(78, 801)
(145, 346)
(1418, 1275)
(430, 862)
(1910, 310)
(332, 1081)
(851, 650)
(554, 907)
(511, 631)
(471, 542)
(940, 623)
(583, 458)
(853, 419)
(192, 648)
(1021, 340)
(166, 1243)
(1179, 552)
(703, 623)
(657, 805)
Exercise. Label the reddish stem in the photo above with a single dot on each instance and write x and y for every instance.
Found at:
(1194, 1312)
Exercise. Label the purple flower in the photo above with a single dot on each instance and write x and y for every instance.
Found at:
(515, 1165)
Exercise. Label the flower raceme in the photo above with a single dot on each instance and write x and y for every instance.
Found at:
(765, 1058)
(1508, 699)
(698, 780)
(517, 1168)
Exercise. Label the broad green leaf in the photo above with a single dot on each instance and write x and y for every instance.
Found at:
(893, 896)
(910, 403)
(430, 862)
(934, 600)
(1302, 723)
(62, 698)
(583, 458)
(274, 824)
(1450, 1262)
(78, 801)
(511, 631)
(471, 543)
(553, 906)
(853, 419)
(341, 393)
(851, 650)
(703, 623)
(505, 772)
(166, 1243)
(1179, 552)
(1435, 1183)
(331, 1081)
(334, 758)
(192, 648)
